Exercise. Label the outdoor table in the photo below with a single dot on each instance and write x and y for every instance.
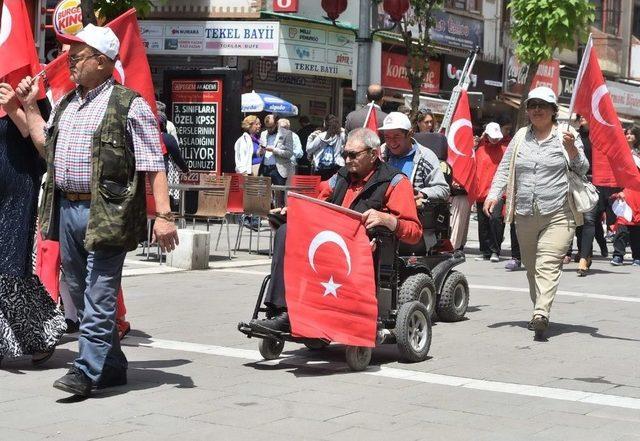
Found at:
(183, 188)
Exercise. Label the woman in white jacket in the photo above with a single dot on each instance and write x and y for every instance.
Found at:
(247, 147)
(324, 149)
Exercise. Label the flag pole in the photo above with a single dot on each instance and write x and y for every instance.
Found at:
(580, 74)
(371, 104)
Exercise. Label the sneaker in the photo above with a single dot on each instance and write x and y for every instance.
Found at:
(480, 258)
(494, 258)
(617, 261)
(75, 382)
(513, 264)
(636, 262)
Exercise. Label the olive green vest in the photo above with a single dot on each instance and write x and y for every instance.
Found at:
(117, 216)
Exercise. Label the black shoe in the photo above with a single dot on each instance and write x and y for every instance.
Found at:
(72, 326)
(112, 377)
(279, 323)
(75, 382)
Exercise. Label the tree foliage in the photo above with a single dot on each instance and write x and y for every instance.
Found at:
(107, 10)
(414, 30)
(540, 27)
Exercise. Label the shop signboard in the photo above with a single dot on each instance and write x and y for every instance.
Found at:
(394, 73)
(565, 86)
(318, 50)
(285, 5)
(485, 77)
(234, 38)
(197, 115)
(457, 31)
(548, 75)
(625, 97)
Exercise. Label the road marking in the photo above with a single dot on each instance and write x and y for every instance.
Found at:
(553, 393)
(489, 288)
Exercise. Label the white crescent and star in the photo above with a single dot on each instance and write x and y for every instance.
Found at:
(451, 136)
(326, 236)
(595, 104)
(5, 26)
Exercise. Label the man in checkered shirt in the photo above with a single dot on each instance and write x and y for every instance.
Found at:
(91, 262)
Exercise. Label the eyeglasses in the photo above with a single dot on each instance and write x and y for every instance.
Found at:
(352, 155)
(73, 60)
(538, 105)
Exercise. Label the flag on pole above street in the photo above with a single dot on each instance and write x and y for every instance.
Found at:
(461, 155)
(612, 163)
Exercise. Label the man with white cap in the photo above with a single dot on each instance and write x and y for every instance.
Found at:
(99, 142)
(419, 163)
(488, 155)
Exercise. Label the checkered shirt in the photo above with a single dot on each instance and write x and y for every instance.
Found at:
(79, 123)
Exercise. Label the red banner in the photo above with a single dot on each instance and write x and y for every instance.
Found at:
(329, 274)
(394, 73)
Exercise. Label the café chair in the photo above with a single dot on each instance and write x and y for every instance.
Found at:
(256, 203)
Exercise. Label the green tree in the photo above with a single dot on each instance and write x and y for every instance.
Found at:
(107, 10)
(414, 30)
(539, 27)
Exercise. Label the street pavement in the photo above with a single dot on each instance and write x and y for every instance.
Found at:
(193, 376)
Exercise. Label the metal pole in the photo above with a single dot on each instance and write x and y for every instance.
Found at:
(364, 52)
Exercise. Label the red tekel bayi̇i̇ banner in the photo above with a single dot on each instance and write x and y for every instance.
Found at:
(461, 155)
(613, 164)
(329, 274)
(18, 56)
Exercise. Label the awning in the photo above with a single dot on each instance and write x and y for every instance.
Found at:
(563, 110)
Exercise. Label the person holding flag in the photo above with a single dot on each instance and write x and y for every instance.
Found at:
(365, 184)
(99, 141)
(359, 117)
(534, 172)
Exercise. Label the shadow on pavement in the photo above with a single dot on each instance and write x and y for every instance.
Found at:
(556, 329)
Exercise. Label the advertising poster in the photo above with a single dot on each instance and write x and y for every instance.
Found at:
(196, 105)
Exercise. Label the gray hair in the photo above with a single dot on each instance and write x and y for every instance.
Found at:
(284, 123)
(365, 136)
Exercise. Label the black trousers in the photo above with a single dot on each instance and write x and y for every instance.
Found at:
(490, 230)
(627, 235)
(515, 245)
(592, 228)
(272, 172)
(274, 298)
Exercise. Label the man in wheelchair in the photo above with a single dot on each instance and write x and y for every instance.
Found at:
(365, 184)
(422, 167)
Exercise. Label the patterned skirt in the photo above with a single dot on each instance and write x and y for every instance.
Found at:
(29, 320)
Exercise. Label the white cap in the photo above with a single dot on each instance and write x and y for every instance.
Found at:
(543, 93)
(396, 120)
(101, 39)
(493, 130)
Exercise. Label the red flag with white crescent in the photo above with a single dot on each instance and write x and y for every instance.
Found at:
(612, 163)
(461, 155)
(328, 273)
(18, 56)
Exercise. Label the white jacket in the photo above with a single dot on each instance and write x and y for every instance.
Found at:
(244, 153)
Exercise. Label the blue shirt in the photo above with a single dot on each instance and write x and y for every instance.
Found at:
(403, 163)
(269, 157)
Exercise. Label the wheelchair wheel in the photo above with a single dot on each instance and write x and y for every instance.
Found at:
(454, 298)
(413, 331)
(315, 344)
(419, 287)
(358, 357)
(270, 348)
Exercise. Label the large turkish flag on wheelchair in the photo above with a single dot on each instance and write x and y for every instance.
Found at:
(329, 274)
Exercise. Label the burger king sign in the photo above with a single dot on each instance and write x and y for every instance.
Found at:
(67, 17)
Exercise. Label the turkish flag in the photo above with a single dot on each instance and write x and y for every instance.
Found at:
(613, 164)
(132, 67)
(461, 155)
(372, 119)
(17, 49)
(58, 77)
(328, 272)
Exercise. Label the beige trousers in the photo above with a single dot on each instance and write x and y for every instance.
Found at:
(544, 240)
(460, 212)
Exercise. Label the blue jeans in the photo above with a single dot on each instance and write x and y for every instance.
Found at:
(93, 278)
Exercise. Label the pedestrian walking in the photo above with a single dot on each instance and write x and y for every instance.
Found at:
(324, 148)
(99, 141)
(30, 323)
(534, 173)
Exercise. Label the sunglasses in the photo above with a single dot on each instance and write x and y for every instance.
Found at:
(538, 105)
(75, 59)
(352, 155)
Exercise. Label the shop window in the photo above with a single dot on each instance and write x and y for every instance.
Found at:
(608, 16)
(636, 20)
(474, 6)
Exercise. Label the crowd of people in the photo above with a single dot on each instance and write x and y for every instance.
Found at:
(100, 147)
